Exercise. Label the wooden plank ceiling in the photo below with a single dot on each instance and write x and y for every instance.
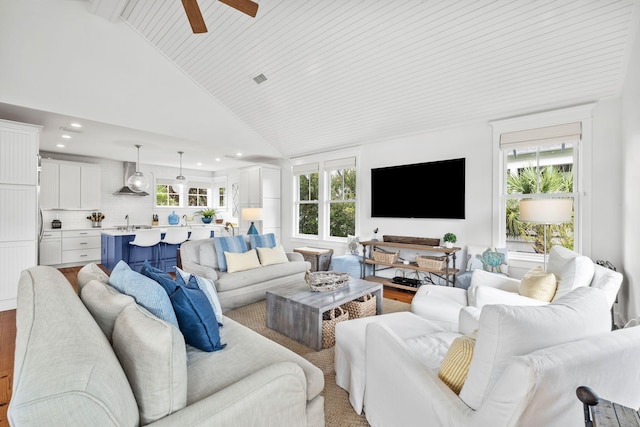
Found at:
(346, 72)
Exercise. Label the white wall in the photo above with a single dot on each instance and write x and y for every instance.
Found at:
(630, 240)
(473, 141)
(115, 208)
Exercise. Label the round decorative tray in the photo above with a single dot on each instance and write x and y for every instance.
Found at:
(324, 281)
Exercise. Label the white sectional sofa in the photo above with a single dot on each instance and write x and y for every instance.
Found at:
(122, 366)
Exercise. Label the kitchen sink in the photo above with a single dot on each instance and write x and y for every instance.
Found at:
(133, 227)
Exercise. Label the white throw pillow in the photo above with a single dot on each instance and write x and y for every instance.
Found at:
(506, 331)
(571, 269)
(269, 256)
(242, 261)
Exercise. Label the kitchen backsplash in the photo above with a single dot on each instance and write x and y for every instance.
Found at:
(115, 208)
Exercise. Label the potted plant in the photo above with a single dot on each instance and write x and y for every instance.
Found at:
(449, 239)
(207, 215)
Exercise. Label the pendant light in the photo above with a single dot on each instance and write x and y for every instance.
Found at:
(137, 182)
(180, 182)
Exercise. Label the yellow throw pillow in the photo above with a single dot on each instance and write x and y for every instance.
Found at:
(269, 256)
(538, 284)
(241, 261)
(455, 365)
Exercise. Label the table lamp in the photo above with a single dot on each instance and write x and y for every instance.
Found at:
(252, 214)
(546, 212)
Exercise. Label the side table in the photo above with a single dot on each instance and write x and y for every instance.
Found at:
(318, 257)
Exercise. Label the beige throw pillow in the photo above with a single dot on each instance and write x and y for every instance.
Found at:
(455, 365)
(269, 256)
(538, 284)
(241, 261)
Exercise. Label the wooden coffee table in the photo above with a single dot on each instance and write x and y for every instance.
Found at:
(297, 313)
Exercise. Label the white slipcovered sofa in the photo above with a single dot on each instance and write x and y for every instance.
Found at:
(448, 306)
(527, 363)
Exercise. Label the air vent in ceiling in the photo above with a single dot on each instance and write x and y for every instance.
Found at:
(260, 78)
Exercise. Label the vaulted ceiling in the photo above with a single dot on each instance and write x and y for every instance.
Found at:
(346, 73)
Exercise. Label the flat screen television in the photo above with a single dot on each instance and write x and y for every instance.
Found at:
(419, 190)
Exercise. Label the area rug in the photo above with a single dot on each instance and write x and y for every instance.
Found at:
(337, 409)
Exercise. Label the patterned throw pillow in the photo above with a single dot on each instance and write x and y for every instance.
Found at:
(262, 240)
(538, 284)
(490, 259)
(233, 244)
(455, 365)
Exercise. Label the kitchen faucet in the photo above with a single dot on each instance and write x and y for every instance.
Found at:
(185, 220)
(127, 218)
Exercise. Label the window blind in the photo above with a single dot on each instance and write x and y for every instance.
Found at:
(568, 132)
(305, 169)
(346, 163)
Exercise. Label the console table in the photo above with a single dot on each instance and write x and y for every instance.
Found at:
(447, 273)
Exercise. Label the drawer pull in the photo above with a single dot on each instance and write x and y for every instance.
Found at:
(84, 255)
(83, 243)
(84, 232)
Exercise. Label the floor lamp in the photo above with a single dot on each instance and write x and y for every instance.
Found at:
(546, 212)
(252, 214)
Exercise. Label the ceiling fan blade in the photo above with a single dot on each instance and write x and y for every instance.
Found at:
(194, 15)
(246, 6)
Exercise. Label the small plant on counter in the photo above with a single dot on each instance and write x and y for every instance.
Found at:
(207, 215)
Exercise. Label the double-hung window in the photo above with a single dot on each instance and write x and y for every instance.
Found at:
(307, 198)
(341, 201)
(166, 195)
(325, 198)
(539, 164)
(199, 194)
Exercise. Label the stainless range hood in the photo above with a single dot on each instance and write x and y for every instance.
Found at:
(128, 168)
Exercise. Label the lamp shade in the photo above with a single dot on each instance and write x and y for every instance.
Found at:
(546, 211)
(251, 214)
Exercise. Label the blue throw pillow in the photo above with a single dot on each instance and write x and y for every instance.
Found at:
(235, 244)
(164, 279)
(144, 290)
(196, 318)
(263, 240)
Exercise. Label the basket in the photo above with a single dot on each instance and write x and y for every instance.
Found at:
(324, 281)
(386, 257)
(329, 320)
(432, 262)
(364, 306)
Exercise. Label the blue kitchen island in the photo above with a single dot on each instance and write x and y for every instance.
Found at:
(115, 247)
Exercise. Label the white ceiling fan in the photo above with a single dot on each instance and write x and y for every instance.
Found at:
(194, 15)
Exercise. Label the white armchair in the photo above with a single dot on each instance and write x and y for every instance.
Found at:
(458, 310)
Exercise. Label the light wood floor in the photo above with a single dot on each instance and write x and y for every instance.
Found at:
(8, 339)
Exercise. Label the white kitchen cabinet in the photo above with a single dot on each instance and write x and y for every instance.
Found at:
(259, 187)
(18, 205)
(51, 248)
(80, 246)
(69, 185)
(49, 185)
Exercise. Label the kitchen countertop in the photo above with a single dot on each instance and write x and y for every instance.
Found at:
(163, 228)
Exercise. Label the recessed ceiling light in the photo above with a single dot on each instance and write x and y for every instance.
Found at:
(199, 163)
(65, 136)
(239, 154)
(60, 145)
(217, 159)
(75, 125)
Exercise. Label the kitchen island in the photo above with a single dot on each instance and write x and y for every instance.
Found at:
(115, 247)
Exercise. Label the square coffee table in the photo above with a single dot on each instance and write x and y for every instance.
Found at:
(297, 313)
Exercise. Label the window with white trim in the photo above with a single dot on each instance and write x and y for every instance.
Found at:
(539, 165)
(341, 202)
(198, 194)
(306, 179)
(219, 192)
(166, 195)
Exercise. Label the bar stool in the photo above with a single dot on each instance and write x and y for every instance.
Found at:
(146, 239)
(200, 233)
(173, 236)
